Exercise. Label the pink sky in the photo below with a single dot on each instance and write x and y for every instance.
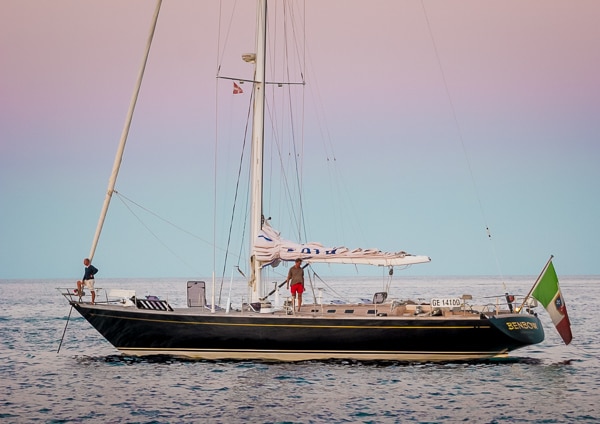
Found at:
(522, 78)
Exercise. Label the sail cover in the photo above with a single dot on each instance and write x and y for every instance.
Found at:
(270, 249)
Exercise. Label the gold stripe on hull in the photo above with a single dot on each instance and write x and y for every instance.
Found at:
(294, 356)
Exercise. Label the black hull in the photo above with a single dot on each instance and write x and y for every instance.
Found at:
(289, 338)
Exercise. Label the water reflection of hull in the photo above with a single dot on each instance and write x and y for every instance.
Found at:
(308, 336)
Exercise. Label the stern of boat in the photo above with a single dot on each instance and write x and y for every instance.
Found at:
(525, 329)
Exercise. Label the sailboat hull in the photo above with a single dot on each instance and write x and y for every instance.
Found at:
(241, 336)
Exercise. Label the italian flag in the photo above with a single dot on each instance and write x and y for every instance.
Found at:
(547, 292)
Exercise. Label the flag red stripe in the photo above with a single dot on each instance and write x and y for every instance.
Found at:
(564, 329)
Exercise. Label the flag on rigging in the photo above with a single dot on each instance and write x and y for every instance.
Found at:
(237, 89)
(547, 292)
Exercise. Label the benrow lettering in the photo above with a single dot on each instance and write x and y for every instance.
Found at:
(522, 325)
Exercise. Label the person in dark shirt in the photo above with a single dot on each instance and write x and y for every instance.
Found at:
(88, 279)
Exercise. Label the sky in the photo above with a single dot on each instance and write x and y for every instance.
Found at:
(443, 118)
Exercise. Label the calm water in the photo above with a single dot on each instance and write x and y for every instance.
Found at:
(88, 381)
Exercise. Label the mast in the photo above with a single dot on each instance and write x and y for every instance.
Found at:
(257, 146)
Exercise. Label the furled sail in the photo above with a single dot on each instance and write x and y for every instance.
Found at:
(270, 249)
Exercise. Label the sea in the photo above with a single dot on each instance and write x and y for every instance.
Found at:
(55, 368)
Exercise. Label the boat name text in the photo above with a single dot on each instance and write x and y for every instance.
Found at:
(522, 325)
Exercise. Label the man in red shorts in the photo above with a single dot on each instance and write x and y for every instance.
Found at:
(295, 281)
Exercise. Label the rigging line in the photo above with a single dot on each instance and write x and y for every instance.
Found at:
(183, 230)
(335, 292)
(312, 289)
(221, 53)
(215, 143)
(235, 196)
(271, 110)
(298, 156)
(333, 172)
(338, 189)
(65, 330)
(302, 221)
(275, 119)
(300, 57)
(277, 130)
(156, 236)
(298, 169)
(272, 48)
(277, 143)
(244, 232)
(461, 138)
(390, 274)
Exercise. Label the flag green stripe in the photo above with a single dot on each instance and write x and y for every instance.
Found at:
(547, 293)
(547, 288)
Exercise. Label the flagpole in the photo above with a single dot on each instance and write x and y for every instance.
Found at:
(535, 284)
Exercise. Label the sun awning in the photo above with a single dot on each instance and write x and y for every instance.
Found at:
(270, 248)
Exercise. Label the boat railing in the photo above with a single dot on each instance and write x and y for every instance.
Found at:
(465, 304)
(122, 297)
(107, 296)
(504, 304)
(71, 293)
